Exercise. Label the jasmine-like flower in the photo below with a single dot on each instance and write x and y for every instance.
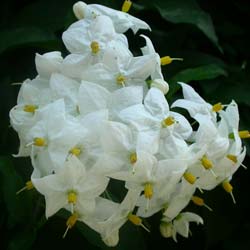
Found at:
(72, 185)
(89, 120)
(180, 225)
(122, 21)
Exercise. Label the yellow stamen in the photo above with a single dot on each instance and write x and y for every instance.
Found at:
(95, 48)
(148, 190)
(136, 221)
(167, 60)
(244, 134)
(30, 108)
(227, 186)
(189, 178)
(120, 80)
(233, 158)
(28, 186)
(75, 151)
(71, 222)
(229, 189)
(200, 202)
(126, 5)
(133, 158)
(39, 141)
(217, 107)
(197, 201)
(206, 163)
(72, 197)
(168, 121)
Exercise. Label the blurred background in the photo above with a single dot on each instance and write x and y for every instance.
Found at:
(213, 37)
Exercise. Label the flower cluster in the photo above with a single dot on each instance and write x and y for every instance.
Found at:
(90, 117)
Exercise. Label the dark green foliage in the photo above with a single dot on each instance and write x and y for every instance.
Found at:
(213, 37)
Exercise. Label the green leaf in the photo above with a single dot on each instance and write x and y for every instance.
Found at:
(24, 36)
(204, 72)
(187, 11)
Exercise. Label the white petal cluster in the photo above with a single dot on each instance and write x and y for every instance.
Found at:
(89, 118)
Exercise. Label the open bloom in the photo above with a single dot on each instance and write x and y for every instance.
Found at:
(89, 122)
(72, 185)
(179, 225)
(194, 103)
(155, 115)
(115, 71)
(122, 21)
(88, 43)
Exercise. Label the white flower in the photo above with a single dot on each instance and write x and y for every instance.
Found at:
(169, 173)
(181, 224)
(145, 172)
(160, 84)
(48, 63)
(179, 200)
(70, 186)
(89, 42)
(214, 139)
(122, 21)
(111, 226)
(194, 103)
(64, 137)
(90, 118)
(114, 72)
(84, 38)
(32, 96)
(155, 116)
(149, 50)
(24, 123)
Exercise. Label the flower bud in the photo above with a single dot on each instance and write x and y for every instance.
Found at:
(48, 63)
(79, 9)
(161, 85)
(112, 240)
(166, 229)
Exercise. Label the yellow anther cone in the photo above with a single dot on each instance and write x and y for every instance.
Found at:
(244, 134)
(148, 191)
(28, 186)
(72, 197)
(206, 163)
(233, 158)
(95, 48)
(229, 189)
(30, 108)
(200, 202)
(75, 151)
(39, 141)
(168, 121)
(136, 220)
(189, 178)
(133, 158)
(167, 60)
(120, 80)
(126, 6)
(217, 107)
(71, 222)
